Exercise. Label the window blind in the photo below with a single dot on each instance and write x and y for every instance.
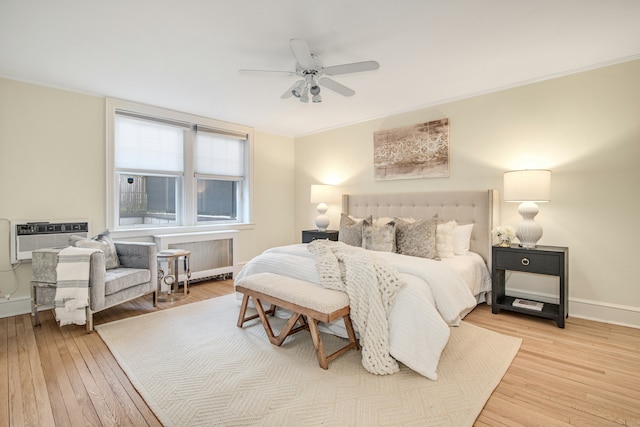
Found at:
(219, 154)
(148, 145)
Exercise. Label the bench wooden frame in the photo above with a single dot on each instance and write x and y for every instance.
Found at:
(308, 318)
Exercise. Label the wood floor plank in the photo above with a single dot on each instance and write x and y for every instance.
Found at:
(51, 374)
(81, 398)
(4, 367)
(28, 386)
(16, 415)
(72, 405)
(41, 398)
(109, 414)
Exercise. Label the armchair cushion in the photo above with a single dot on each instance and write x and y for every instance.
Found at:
(119, 279)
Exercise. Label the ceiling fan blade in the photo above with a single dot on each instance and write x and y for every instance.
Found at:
(336, 87)
(301, 51)
(289, 93)
(354, 67)
(269, 72)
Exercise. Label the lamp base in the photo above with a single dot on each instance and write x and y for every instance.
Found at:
(528, 231)
(322, 220)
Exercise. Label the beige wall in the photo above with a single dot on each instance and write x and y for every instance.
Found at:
(52, 166)
(584, 127)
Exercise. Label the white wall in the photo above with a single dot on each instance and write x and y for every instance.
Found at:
(584, 127)
(52, 166)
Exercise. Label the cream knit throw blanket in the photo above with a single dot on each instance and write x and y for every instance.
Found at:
(371, 284)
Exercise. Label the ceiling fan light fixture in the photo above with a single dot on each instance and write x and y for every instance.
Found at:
(305, 95)
(315, 89)
(316, 98)
(298, 90)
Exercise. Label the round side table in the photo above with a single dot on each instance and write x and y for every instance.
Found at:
(169, 263)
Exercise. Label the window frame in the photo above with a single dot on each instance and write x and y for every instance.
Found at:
(188, 209)
(239, 193)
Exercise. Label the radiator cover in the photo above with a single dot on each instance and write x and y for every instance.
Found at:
(213, 253)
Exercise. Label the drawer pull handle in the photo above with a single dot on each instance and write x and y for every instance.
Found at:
(525, 261)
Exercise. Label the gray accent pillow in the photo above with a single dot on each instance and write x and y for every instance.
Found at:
(382, 238)
(417, 238)
(101, 242)
(351, 230)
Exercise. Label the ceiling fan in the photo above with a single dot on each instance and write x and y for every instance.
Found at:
(310, 68)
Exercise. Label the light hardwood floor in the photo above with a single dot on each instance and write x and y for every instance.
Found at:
(587, 374)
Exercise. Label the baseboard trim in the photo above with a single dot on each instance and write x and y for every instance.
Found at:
(15, 306)
(615, 314)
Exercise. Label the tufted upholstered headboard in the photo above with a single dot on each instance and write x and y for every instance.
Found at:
(466, 207)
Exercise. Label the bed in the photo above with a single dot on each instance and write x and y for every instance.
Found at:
(436, 292)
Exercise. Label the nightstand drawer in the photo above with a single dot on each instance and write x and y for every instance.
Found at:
(529, 261)
(311, 235)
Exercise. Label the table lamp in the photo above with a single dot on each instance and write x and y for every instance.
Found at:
(528, 187)
(321, 195)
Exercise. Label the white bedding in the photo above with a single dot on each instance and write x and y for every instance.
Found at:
(474, 272)
(436, 295)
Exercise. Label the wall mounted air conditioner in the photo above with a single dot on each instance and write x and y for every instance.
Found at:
(27, 236)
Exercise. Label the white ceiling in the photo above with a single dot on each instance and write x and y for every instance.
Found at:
(185, 55)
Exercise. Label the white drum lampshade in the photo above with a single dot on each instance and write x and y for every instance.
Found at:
(528, 187)
(321, 195)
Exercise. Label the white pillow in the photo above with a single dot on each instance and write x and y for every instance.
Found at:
(462, 239)
(444, 239)
(379, 222)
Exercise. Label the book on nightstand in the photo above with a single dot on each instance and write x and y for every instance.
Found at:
(179, 252)
(531, 305)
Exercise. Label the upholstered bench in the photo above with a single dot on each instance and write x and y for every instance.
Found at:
(308, 303)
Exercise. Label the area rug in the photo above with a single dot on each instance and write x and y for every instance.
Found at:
(195, 367)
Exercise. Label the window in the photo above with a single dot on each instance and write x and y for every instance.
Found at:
(169, 169)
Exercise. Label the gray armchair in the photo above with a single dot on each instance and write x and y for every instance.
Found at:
(136, 276)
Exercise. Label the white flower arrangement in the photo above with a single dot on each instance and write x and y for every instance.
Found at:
(504, 232)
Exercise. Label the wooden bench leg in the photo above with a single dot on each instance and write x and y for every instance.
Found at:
(243, 311)
(285, 332)
(317, 343)
(350, 332)
(323, 359)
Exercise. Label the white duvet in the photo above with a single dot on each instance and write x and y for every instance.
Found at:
(433, 299)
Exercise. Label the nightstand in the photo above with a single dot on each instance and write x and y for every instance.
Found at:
(311, 235)
(548, 260)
